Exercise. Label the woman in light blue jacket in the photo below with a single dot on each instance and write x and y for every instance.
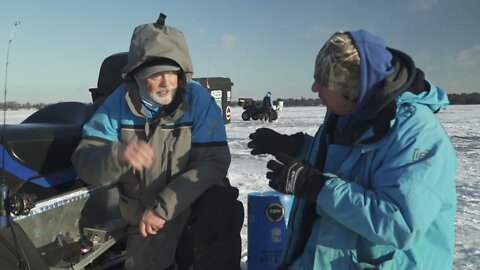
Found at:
(375, 187)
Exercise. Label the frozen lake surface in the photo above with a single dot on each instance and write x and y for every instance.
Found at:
(462, 123)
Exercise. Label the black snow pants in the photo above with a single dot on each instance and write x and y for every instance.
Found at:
(211, 238)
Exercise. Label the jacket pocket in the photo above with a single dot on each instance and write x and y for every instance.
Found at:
(130, 209)
(369, 256)
(386, 264)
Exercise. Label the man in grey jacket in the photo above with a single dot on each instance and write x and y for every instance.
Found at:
(161, 138)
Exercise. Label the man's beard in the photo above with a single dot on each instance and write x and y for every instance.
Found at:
(163, 100)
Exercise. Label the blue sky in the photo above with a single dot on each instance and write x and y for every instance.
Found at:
(260, 44)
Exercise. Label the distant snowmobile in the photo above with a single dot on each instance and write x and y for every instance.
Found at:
(253, 110)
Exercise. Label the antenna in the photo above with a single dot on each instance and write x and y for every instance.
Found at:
(17, 24)
(160, 23)
(209, 61)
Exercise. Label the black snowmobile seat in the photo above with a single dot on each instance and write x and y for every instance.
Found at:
(109, 77)
(45, 140)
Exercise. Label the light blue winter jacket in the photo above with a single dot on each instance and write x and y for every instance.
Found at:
(391, 204)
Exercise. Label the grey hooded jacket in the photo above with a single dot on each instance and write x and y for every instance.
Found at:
(189, 139)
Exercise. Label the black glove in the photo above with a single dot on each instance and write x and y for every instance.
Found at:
(268, 141)
(295, 177)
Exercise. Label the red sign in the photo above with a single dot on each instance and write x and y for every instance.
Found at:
(228, 113)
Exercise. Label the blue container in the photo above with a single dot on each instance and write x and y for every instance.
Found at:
(268, 213)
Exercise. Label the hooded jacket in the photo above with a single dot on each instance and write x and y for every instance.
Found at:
(188, 137)
(267, 100)
(390, 200)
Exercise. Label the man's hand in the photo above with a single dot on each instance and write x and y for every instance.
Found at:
(150, 223)
(291, 176)
(268, 141)
(137, 153)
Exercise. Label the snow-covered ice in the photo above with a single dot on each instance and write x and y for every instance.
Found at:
(462, 122)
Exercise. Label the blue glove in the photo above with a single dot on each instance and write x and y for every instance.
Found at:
(291, 176)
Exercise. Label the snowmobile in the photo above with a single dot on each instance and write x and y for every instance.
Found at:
(49, 217)
(253, 109)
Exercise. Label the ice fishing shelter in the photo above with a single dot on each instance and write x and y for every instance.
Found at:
(221, 90)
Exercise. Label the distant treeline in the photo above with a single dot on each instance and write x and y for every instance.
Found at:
(464, 98)
(459, 99)
(471, 98)
(13, 105)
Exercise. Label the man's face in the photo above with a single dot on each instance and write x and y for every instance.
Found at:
(335, 102)
(162, 86)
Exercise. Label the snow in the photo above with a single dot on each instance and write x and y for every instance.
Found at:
(462, 122)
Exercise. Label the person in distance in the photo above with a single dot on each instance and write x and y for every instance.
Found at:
(267, 106)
